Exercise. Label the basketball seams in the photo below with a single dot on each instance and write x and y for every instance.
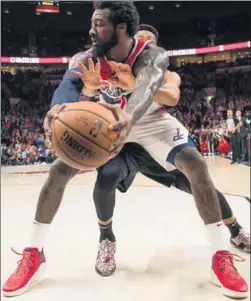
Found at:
(89, 142)
(77, 132)
(93, 113)
(68, 156)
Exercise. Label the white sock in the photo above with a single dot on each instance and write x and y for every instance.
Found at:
(39, 234)
(216, 235)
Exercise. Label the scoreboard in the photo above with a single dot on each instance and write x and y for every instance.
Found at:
(48, 6)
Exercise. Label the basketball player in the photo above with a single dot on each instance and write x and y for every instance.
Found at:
(113, 27)
(169, 96)
(240, 239)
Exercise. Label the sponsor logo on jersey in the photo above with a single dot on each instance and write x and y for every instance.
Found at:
(114, 92)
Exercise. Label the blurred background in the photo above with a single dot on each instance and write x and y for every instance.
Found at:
(208, 43)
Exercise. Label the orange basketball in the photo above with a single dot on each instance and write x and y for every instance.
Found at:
(80, 135)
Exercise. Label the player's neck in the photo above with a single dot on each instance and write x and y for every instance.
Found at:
(121, 51)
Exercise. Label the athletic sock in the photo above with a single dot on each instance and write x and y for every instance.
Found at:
(106, 232)
(216, 235)
(39, 234)
(234, 228)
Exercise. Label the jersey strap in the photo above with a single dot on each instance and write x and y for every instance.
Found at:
(137, 49)
(106, 70)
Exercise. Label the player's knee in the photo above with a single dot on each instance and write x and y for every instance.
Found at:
(108, 176)
(190, 162)
(61, 173)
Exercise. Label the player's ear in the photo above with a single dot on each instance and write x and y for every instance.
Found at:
(121, 28)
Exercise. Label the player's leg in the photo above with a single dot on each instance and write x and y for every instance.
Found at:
(33, 258)
(154, 171)
(189, 161)
(108, 178)
(239, 237)
(177, 148)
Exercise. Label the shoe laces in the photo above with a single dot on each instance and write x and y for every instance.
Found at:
(244, 237)
(25, 263)
(226, 261)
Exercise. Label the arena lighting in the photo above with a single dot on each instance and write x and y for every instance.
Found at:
(48, 6)
(181, 52)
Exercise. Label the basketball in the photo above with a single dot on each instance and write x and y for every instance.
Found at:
(80, 135)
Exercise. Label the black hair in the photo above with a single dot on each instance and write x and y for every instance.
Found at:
(151, 29)
(122, 12)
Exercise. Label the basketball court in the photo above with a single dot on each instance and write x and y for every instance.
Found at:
(162, 247)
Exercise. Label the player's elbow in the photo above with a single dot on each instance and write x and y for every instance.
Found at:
(168, 96)
(176, 97)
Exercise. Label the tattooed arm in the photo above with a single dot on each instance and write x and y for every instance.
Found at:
(150, 70)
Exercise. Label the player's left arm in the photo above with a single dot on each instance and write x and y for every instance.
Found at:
(169, 93)
(150, 70)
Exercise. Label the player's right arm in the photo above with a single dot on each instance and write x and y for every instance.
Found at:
(169, 93)
(71, 86)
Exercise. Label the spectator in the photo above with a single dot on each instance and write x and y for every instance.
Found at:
(245, 135)
(234, 125)
(23, 140)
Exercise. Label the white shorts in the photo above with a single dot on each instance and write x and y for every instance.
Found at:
(163, 136)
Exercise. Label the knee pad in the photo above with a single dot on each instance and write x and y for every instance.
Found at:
(109, 175)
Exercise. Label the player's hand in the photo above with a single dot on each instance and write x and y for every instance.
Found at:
(122, 126)
(53, 113)
(123, 78)
(90, 76)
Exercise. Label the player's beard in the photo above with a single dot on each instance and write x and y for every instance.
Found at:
(101, 49)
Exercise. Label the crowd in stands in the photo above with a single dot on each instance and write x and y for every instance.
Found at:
(52, 38)
(203, 113)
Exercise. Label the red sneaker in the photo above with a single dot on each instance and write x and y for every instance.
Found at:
(29, 268)
(226, 276)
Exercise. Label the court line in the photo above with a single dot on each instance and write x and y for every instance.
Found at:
(42, 172)
(87, 171)
(238, 195)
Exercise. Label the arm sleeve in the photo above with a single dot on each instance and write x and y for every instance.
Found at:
(69, 89)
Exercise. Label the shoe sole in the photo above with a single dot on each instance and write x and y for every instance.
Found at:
(104, 274)
(32, 281)
(225, 291)
(241, 249)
